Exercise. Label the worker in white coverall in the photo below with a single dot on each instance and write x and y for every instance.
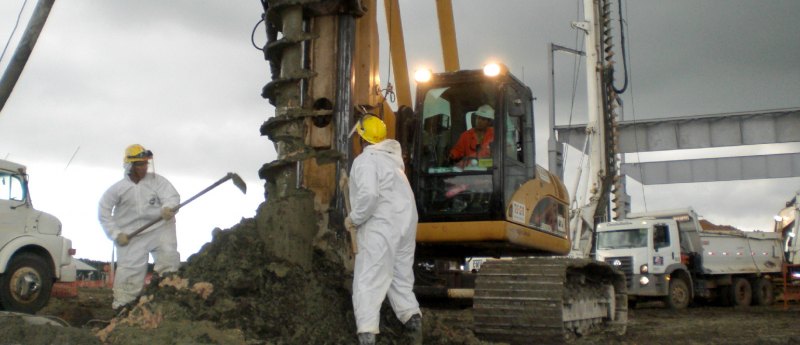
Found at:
(139, 198)
(384, 214)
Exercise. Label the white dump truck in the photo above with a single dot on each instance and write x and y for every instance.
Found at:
(33, 254)
(667, 255)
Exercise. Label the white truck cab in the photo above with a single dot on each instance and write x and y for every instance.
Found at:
(33, 254)
(646, 250)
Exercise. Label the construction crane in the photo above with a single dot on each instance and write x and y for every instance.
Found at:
(323, 57)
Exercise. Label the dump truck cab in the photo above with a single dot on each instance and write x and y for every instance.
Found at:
(33, 254)
(629, 246)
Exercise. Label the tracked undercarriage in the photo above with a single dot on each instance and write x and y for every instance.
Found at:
(548, 300)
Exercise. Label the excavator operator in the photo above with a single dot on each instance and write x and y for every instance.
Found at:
(476, 141)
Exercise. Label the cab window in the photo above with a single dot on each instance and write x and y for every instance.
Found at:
(11, 188)
(457, 166)
(661, 236)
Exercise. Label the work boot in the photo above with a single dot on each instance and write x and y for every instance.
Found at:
(414, 328)
(123, 310)
(366, 338)
(414, 323)
(157, 277)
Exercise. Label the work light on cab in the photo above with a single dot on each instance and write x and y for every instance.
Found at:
(493, 69)
(423, 75)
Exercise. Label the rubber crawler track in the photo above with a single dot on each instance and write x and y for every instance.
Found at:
(523, 301)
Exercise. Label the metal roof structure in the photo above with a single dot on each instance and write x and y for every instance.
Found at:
(705, 131)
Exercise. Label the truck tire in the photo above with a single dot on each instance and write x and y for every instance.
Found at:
(763, 293)
(741, 292)
(26, 284)
(678, 296)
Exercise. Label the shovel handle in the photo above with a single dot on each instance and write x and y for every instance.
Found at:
(204, 191)
(143, 228)
(343, 184)
(176, 208)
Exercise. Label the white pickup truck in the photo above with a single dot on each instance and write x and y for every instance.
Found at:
(668, 256)
(33, 254)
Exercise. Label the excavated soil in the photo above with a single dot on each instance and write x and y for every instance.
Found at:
(234, 291)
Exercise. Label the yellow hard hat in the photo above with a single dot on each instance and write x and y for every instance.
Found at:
(137, 153)
(372, 129)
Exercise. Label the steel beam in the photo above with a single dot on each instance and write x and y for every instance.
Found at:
(715, 169)
(704, 131)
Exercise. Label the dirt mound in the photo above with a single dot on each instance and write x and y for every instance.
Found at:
(279, 278)
(234, 291)
(706, 225)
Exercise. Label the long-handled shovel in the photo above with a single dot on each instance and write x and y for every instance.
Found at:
(343, 185)
(237, 181)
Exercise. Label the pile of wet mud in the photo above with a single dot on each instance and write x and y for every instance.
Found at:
(236, 291)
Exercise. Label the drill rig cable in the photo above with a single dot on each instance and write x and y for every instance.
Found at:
(575, 70)
(633, 116)
(253, 34)
(388, 92)
(622, 45)
(13, 30)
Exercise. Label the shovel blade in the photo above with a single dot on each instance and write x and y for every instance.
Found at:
(238, 182)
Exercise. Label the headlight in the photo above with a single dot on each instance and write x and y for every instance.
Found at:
(643, 269)
(644, 281)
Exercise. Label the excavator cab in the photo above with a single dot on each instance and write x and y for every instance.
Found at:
(469, 185)
(492, 226)
(474, 196)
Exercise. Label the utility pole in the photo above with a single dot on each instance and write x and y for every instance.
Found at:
(24, 49)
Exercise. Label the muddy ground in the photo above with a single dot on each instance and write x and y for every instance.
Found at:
(235, 292)
(649, 324)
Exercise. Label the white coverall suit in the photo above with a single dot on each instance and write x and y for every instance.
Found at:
(124, 208)
(385, 213)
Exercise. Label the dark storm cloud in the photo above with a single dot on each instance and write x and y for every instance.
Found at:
(183, 78)
(106, 74)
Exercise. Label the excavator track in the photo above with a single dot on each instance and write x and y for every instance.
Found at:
(548, 300)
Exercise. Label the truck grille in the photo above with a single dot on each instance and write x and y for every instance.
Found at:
(625, 265)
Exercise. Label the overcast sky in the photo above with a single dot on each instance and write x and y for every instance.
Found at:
(183, 79)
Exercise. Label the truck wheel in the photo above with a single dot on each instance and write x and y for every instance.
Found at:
(26, 285)
(762, 292)
(679, 295)
(741, 293)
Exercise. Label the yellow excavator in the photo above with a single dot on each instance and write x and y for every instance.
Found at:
(498, 204)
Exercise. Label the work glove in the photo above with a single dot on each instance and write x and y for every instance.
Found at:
(122, 239)
(348, 224)
(167, 213)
